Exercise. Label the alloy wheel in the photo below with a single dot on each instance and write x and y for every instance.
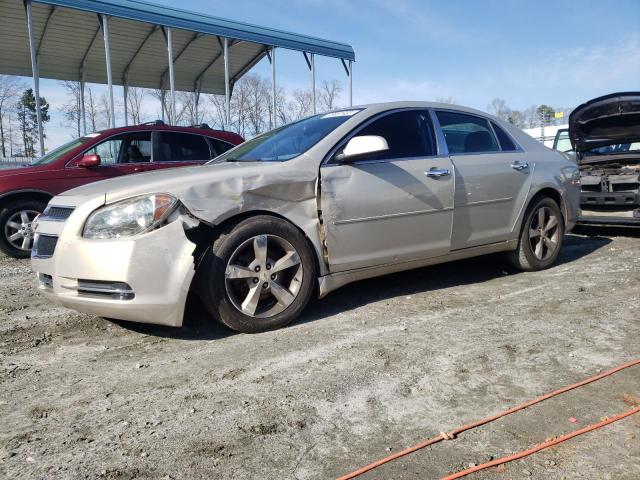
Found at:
(544, 233)
(263, 276)
(18, 230)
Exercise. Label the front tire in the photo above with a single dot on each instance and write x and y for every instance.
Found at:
(259, 275)
(16, 234)
(541, 236)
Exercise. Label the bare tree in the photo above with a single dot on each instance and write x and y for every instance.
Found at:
(240, 107)
(135, 102)
(531, 118)
(10, 89)
(257, 108)
(282, 110)
(498, 107)
(162, 97)
(71, 110)
(517, 118)
(218, 103)
(301, 104)
(91, 109)
(329, 93)
(104, 112)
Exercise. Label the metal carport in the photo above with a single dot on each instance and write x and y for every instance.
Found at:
(139, 44)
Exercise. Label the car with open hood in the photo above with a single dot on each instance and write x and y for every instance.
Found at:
(306, 208)
(605, 134)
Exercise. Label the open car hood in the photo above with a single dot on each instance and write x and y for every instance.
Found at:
(606, 120)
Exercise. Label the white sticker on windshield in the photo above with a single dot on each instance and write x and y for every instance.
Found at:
(341, 113)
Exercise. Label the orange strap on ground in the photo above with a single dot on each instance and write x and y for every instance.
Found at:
(452, 434)
(541, 446)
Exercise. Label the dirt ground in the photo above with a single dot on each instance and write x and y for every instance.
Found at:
(373, 368)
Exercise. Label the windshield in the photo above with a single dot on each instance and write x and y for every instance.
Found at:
(58, 152)
(617, 149)
(288, 141)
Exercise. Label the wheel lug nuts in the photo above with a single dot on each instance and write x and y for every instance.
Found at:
(255, 280)
(273, 276)
(257, 269)
(265, 285)
(268, 266)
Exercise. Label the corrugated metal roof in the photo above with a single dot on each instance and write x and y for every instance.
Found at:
(68, 36)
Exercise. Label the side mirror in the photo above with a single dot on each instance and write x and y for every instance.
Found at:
(88, 161)
(362, 145)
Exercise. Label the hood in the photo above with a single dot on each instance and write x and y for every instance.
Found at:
(17, 170)
(607, 120)
(210, 191)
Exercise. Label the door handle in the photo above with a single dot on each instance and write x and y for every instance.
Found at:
(437, 172)
(518, 165)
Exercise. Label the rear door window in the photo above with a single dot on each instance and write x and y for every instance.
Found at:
(409, 134)
(182, 147)
(467, 133)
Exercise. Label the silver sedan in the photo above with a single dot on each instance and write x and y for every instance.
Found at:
(304, 209)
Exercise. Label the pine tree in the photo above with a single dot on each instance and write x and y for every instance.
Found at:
(28, 119)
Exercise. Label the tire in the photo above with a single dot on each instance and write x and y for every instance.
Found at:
(249, 261)
(16, 236)
(539, 245)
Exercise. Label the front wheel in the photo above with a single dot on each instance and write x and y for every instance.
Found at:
(541, 236)
(259, 275)
(16, 234)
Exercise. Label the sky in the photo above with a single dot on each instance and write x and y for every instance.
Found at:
(560, 53)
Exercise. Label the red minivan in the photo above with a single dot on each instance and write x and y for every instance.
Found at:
(24, 192)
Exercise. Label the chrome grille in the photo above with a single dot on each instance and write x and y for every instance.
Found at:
(56, 213)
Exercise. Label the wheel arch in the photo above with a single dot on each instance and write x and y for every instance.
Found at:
(20, 195)
(211, 232)
(552, 193)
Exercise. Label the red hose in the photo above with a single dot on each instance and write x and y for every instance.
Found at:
(452, 434)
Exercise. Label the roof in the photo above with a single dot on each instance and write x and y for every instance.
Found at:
(230, 137)
(68, 36)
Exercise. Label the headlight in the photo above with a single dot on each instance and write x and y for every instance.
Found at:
(129, 217)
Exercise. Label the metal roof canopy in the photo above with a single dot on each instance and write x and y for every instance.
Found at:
(131, 42)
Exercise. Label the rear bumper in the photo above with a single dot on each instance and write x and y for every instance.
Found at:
(154, 269)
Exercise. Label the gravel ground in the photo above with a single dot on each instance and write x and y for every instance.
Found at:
(375, 367)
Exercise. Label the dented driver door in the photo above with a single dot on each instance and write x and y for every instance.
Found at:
(394, 207)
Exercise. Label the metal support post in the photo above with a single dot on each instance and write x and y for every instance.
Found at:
(35, 72)
(125, 94)
(172, 79)
(350, 83)
(274, 115)
(313, 81)
(227, 93)
(104, 22)
(83, 113)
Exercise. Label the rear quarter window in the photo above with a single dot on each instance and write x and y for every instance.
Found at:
(506, 144)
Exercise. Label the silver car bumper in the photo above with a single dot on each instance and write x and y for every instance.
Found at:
(141, 279)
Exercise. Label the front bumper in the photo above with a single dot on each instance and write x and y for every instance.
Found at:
(157, 267)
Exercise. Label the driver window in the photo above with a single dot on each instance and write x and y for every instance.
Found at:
(408, 133)
(127, 148)
(108, 151)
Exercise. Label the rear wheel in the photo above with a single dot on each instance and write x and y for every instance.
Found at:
(16, 234)
(541, 236)
(259, 275)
